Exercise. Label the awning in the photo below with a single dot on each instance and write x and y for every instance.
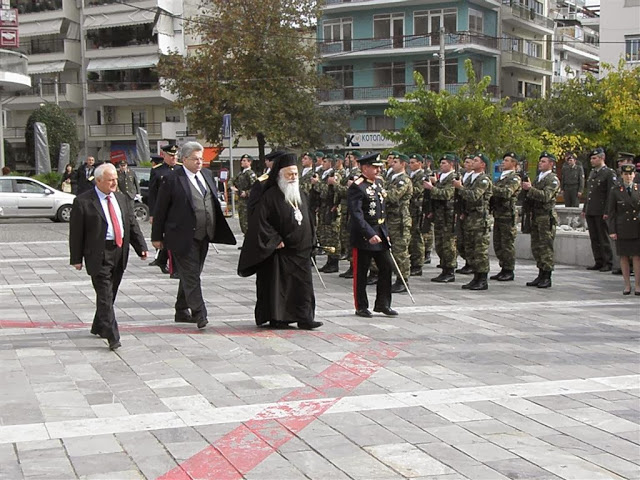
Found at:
(118, 19)
(45, 27)
(122, 63)
(49, 67)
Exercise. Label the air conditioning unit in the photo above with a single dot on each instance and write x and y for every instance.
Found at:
(109, 115)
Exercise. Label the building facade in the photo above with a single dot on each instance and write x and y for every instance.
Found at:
(620, 32)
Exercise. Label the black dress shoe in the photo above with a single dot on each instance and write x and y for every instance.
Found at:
(364, 312)
(616, 271)
(595, 267)
(387, 311)
(202, 322)
(347, 274)
(626, 292)
(114, 344)
(310, 326)
(606, 268)
(164, 269)
(637, 293)
(372, 279)
(279, 325)
(174, 276)
(184, 316)
(154, 263)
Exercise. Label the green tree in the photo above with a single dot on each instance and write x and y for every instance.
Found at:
(462, 122)
(256, 62)
(61, 128)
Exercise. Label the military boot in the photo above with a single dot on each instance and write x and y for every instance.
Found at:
(481, 283)
(348, 273)
(398, 287)
(416, 271)
(507, 276)
(325, 266)
(447, 276)
(372, 279)
(427, 258)
(497, 275)
(467, 286)
(545, 281)
(332, 265)
(466, 270)
(536, 281)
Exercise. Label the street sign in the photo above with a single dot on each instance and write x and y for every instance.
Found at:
(226, 126)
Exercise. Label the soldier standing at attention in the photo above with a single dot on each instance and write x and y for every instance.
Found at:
(427, 227)
(542, 193)
(503, 205)
(416, 243)
(328, 231)
(572, 181)
(128, 181)
(352, 172)
(601, 180)
(443, 217)
(241, 186)
(466, 178)
(475, 218)
(370, 237)
(399, 193)
(307, 172)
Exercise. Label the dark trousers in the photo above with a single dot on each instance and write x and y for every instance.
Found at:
(105, 284)
(190, 267)
(361, 261)
(599, 236)
(571, 196)
(163, 257)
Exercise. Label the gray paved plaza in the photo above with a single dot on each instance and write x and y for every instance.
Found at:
(514, 382)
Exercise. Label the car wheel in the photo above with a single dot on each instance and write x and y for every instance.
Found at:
(141, 212)
(64, 213)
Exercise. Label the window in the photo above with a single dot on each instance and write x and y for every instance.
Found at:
(532, 49)
(27, 186)
(5, 185)
(172, 115)
(342, 75)
(388, 25)
(430, 71)
(632, 48)
(477, 68)
(431, 21)
(476, 21)
(139, 118)
(387, 74)
(380, 122)
(529, 90)
(338, 30)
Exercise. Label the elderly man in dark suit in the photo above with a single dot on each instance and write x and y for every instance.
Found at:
(101, 229)
(187, 217)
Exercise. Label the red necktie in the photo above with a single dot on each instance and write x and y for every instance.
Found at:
(117, 233)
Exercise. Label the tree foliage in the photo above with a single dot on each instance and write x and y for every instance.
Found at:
(464, 122)
(61, 128)
(255, 61)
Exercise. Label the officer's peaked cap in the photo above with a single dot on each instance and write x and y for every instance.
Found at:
(371, 159)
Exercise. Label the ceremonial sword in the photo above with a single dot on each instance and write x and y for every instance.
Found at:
(313, 262)
(400, 276)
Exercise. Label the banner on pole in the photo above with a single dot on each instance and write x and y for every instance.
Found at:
(226, 126)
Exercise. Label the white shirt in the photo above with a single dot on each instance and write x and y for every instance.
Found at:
(443, 176)
(505, 173)
(245, 169)
(192, 178)
(474, 175)
(414, 172)
(543, 174)
(465, 176)
(306, 170)
(326, 173)
(395, 175)
(105, 209)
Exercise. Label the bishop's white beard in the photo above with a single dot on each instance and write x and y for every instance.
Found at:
(291, 190)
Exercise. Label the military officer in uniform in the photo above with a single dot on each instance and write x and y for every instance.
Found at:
(399, 192)
(168, 165)
(503, 206)
(370, 237)
(352, 172)
(427, 227)
(443, 216)
(542, 195)
(241, 186)
(328, 231)
(467, 165)
(601, 180)
(475, 218)
(128, 181)
(416, 242)
(572, 181)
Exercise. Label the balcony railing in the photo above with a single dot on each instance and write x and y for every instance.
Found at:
(95, 3)
(33, 6)
(13, 62)
(528, 14)
(527, 60)
(570, 41)
(405, 41)
(385, 92)
(47, 89)
(37, 47)
(98, 86)
(13, 132)
(123, 129)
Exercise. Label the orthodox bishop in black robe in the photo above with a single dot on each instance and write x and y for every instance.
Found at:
(277, 248)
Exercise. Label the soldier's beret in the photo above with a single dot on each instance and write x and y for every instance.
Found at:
(308, 154)
(482, 157)
(319, 154)
(170, 149)
(449, 157)
(246, 156)
(549, 155)
(371, 159)
(628, 168)
(597, 151)
(428, 157)
(355, 153)
(513, 155)
(416, 156)
(338, 156)
(402, 157)
(468, 157)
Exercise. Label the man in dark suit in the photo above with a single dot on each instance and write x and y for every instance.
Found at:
(187, 217)
(370, 237)
(85, 175)
(101, 229)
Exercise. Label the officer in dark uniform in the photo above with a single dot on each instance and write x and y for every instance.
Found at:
(169, 164)
(370, 237)
(599, 184)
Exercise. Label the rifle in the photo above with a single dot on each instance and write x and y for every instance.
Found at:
(427, 208)
(527, 210)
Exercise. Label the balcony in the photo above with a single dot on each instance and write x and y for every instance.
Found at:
(576, 47)
(525, 17)
(42, 46)
(409, 43)
(13, 133)
(124, 130)
(13, 71)
(381, 94)
(333, 5)
(68, 96)
(102, 86)
(522, 61)
(35, 6)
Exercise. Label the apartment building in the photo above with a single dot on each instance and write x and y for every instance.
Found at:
(115, 46)
(620, 31)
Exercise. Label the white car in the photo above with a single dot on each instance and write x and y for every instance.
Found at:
(23, 197)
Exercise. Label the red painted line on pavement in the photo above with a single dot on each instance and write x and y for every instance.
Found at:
(245, 447)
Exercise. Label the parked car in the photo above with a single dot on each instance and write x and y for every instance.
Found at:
(22, 197)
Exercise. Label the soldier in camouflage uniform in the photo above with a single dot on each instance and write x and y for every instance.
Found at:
(442, 215)
(475, 218)
(241, 186)
(399, 191)
(503, 206)
(427, 227)
(466, 178)
(542, 194)
(352, 171)
(307, 172)
(416, 243)
(328, 231)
